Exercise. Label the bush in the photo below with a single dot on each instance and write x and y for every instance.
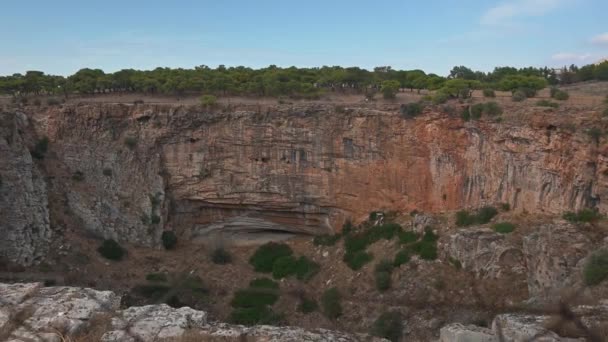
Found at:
(505, 206)
(306, 268)
(255, 316)
(388, 326)
(264, 257)
(476, 111)
(331, 303)
(489, 93)
(254, 298)
(283, 267)
(155, 219)
(40, 148)
(402, 257)
(553, 91)
(383, 281)
(264, 283)
(169, 239)
(154, 292)
(595, 134)
(455, 262)
(492, 108)
(546, 103)
(356, 260)
(160, 277)
(596, 268)
(384, 266)
(518, 96)
(111, 250)
(464, 218)
(440, 98)
(584, 215)
(427, 250)
(561, 95)
(390, 89)
(408, 237)
(107, 172)
(326, 240)
(485, 214)
(52, 102)
(307, 305)
(411, 110)
(466, 114)
(503, 227)
(78, 176)
(131, 142)
(220, 256)
(208, 100)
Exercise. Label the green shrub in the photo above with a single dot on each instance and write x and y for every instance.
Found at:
(596, 268)
(152, 291)
(518, 96)
(489, 93)
(546, 103)
(408, 237)
(220, 256)
(160, 277)
(584, 215)
(264, 283)
(254, 298)
(40, 148)
(155, 219)
(78, 176)
(553, 91)
(440, 98)
(503, 227)
(356, 243)
(466, 114)
(383, 281)
(485, 214)
(595, 134)
(131, 142)
(411, 110)
(208, 100)
(384, 266)
(111, 250)
(107, 172)
(52, 102)
(427, 250)
(283, 267)
(307, 305)
(331, 303)
(505, 206)
(429, 236)
(326, 240)
(402, 257)
(347, 227)
(464, 218)
(390, 89)
(455, 262)
(306, 268)
(476, 111)
(358, 259)
(492, 108)
(255, 316)
(169, 239)
(264, 257)
(561, 95)
(389, 326)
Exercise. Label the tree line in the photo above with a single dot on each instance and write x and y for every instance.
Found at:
(292, 81)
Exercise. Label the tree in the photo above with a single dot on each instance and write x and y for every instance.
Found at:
(462, 72)
(389, 89)
(601, 71)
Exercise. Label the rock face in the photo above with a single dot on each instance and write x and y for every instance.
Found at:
(24, 223)
(485, 253)
(30, 312)
(554, 257)
(131, 171)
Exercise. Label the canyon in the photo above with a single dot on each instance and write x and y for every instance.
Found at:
(241, 174)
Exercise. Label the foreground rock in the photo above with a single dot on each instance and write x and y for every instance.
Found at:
(31, 312)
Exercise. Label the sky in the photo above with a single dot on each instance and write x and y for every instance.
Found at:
(60, 36)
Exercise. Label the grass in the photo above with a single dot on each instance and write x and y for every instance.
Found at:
(547, 103)
(264, 257)
(503, 227)
(596, 268)
(331, 303)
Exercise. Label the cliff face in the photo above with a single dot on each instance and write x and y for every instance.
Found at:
(24, 215)
(306, 169)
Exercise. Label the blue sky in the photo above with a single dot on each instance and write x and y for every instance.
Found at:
(60, 36)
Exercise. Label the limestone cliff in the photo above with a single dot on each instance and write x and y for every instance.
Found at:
(131, 171)
(24, 215)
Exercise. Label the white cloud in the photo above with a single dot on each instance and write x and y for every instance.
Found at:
(600, 39)
(568, 56)
(508, 11)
